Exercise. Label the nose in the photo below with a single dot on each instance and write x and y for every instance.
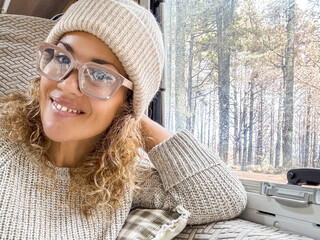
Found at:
(70, 84)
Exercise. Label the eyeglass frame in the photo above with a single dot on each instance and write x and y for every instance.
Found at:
(79, 66)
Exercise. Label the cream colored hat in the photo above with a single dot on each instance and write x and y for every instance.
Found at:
(130, 31)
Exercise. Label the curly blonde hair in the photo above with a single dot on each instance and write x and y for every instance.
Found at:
(103, 176)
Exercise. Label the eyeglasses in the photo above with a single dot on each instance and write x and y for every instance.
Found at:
(94, 80)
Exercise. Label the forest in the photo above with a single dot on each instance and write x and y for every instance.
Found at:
(243, 76)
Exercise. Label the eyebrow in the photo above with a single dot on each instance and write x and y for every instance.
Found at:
(95, 60)
(67, 46)
(100, 61)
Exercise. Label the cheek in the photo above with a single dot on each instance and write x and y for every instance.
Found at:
(42, 89)
(103, 113)
(45, 85)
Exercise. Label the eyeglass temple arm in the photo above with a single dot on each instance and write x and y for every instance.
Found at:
(128, 84)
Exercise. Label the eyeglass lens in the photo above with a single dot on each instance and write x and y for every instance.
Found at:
(94, 81)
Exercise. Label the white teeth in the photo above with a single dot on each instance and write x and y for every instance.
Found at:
(65, 109)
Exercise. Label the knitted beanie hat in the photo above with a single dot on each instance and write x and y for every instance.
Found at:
(130, 31)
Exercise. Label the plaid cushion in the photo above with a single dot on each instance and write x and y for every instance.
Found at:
(145, 224)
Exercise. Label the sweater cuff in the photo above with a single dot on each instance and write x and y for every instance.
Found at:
(181, 157)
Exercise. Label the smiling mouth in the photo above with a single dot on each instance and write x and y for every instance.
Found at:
(64, 108)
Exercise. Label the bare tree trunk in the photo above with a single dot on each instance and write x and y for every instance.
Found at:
(271, 156)
(224, 20)
(245, 131)
(259, 149)
(279, 130)
(303, 140)
(214, 139)
(205, 124)
(301, 134)
(250, 147)
(211, 114)
(240, 130)
(288, 72)
(307, 140)
(196, 116)
(202, 126)
(236, 128)
(195, 104)
(314, 146)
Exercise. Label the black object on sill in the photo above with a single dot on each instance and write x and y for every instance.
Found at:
(304, 176)
(56, 17)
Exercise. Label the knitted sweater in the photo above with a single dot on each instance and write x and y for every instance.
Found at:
(186, 174)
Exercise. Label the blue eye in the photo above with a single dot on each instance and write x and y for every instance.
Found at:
(101, 76)
(63, 59)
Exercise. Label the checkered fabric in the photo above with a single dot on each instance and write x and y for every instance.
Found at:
(236, 229)
(147, 224)
(19, 36)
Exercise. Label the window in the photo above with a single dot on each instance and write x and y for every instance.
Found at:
(244, 77)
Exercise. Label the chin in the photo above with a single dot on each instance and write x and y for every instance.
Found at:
(55, 136)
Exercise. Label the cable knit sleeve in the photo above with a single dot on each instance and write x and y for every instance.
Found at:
(188, 174)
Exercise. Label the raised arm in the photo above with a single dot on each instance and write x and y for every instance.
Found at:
(188, 174)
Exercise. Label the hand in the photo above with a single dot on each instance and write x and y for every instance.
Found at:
(153, 132)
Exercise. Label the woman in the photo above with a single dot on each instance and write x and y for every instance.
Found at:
(71, 164)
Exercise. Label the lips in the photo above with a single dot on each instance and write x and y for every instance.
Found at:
(65, 106)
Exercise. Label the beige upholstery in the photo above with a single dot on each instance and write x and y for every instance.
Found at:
(236, 229)
(19, 36)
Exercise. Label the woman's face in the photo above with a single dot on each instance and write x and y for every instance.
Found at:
(66, 113)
